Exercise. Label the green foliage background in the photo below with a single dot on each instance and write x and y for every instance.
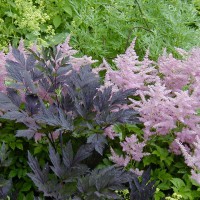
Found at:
(102, 28)
(22, 186)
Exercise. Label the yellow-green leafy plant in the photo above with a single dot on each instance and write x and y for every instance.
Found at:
(102, 28)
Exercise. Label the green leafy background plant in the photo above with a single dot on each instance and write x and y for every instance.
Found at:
(102, 28)
(22, 186)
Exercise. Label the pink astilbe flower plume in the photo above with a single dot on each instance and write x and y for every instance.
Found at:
(69, 52)
(156, 111)
(131, 72)
(119, 160)
(66, 49)
(109, 72)
(187, 136)
(180, 72)
(175, 75)
(133, 148)
(185, 108)
(109, 132)
(192, 159)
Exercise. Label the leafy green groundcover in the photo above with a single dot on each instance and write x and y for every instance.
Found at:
(102, 28)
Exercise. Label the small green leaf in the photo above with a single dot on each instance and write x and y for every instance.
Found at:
(169, 160)
(26, 187)
(162, 153)
(198, 112)
(12, 145)
(57, 21)
(118, 129)
(134, 128)
(19, 146)
(68, 10)
(185, 88)
(163, 175)
(100, 166)
(30, 196)
(177, 182)
(164, 185)
(21, 196)
(37, 150)
(159, 195)
(12, 173)
(107, 162)
(20, 173)
(147, 160)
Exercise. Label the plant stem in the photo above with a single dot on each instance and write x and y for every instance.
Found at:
(140, 9)
(51, 140)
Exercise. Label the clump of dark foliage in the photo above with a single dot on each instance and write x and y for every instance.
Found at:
(80, 107)
(47, 95)
(144, 189)
(73, 180)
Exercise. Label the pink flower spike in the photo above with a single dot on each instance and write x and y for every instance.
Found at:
(119, 160)
(38, 136)
(110, 133)
(133, 148)
(66, 49)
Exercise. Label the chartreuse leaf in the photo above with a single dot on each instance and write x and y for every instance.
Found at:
(67, 9)
(159, 194)
(180, 188)
(177, 182)
(163, 155)
(120, 130)
(147, 160)
(135, 129)
(57, 21)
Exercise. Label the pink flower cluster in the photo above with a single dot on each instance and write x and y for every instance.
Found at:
(133, 149)
(131, 72)
(161, 111)
(169, 93)
(157, 111)
(76, 62)
(163, 103)
(109, 132)
(119, 160)
(192, 159)
(179, 73)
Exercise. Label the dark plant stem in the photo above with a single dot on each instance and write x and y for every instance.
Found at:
(61, 141)
(140, 9)
(51, 140)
